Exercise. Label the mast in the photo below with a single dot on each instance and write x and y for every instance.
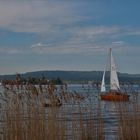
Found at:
(110, 55)
(114, 82)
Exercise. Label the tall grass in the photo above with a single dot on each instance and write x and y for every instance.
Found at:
(129, 121)
(26, 119)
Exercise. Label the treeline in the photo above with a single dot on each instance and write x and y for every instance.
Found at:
(32, 80)
(72, 76)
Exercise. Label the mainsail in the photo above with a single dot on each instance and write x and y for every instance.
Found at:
(114, 82)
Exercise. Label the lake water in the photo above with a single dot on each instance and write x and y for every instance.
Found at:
(91, 101)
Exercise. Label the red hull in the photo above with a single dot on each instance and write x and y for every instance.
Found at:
(114, 96)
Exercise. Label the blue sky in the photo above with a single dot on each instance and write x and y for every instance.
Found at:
(68, 35)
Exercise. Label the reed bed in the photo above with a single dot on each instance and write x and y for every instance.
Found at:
(129, 121)
(26, 118)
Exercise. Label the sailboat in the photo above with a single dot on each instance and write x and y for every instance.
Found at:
(114, 94)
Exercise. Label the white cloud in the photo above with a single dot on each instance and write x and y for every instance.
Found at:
(83, 40)
(35, 16)
(97, 30)
(7, 50)
(57, 19)
(118, 43)
(38, 45)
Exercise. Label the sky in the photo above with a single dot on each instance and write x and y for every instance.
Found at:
(69, 35)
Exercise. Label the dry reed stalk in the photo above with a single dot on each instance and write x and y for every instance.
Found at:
(56, 124)
(88, 128)
(129, 123)
(100, 125)
(29, 121)
(24, 122)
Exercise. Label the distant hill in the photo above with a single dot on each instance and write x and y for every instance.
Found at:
(75, 75)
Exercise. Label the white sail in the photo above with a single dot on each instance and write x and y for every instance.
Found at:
(103, 89)
(114, 82)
